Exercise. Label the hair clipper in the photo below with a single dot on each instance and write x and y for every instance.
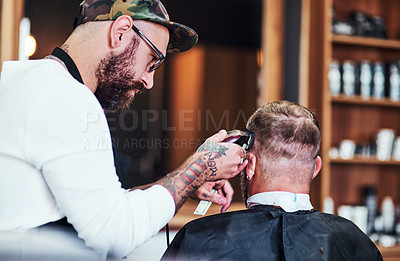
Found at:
(245, 139)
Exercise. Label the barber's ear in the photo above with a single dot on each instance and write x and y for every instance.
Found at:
(119, 30)
(251, 166)
(318, 166)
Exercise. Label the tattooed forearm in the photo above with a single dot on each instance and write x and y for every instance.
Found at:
(211, 164)
(182, 184)
(196, 170)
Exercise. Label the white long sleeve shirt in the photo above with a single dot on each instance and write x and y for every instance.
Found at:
(56, 160)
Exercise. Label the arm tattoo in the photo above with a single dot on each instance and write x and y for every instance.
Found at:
(205, 195)
(65, 48)
(213, 147)
(194, 172)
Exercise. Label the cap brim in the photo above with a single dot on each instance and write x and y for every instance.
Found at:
(181, 37)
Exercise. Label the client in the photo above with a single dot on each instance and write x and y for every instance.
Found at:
(280, 222)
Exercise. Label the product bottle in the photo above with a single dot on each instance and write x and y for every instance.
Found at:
(365, 80)
(334, 78)
(370, 203)
(394, 82)
(379, 81)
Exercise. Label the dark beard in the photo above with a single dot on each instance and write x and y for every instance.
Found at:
(115, 78)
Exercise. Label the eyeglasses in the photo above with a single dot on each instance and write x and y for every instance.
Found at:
(161, 57)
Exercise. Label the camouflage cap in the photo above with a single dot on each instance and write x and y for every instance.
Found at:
(182, 38)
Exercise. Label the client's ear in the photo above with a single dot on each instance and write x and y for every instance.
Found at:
(251, 166)
(318, 165)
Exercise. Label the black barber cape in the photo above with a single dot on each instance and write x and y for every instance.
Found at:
(270, 233)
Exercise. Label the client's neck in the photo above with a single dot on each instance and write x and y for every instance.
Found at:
(277, 185)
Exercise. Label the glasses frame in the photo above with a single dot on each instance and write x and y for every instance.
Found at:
(161, 57)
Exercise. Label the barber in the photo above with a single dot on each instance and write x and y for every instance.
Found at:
(51, 166)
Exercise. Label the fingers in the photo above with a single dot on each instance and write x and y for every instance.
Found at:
(238, 151)
(219, 184)
(223, 197)
(204, 192)
(218, 137)
(242, 166)
(228, 157)
(228, 191)
(213, 197)
(243, 154)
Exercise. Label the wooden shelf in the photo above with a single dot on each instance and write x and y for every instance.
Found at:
(357, 100)
(366, 41)
(365, 161)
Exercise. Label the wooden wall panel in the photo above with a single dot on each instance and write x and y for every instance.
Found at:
(271, 87)
(186, 83)
(12, 13)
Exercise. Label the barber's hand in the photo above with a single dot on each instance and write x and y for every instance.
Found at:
(223, 196)
(223, 159)
(213, 161)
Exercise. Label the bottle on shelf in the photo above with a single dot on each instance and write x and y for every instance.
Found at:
(365, 79)
(349, 78)
(370, 203)
(378, 81)
(334, 77)
(394, 82)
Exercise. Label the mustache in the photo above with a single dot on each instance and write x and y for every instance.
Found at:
(139, 87)
(118, 88)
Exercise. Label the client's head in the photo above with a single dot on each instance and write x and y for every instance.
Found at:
(284, 156)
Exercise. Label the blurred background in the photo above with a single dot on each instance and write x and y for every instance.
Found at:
(340, 58)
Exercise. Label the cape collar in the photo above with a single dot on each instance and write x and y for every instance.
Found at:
(289, 202)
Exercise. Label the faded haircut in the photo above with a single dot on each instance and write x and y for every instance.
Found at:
(286, 133)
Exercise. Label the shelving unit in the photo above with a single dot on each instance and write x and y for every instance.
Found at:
(353, 118)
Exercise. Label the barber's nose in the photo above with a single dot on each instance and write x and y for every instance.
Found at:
(148, 79)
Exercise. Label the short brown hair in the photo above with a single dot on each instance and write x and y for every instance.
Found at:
(285, 131)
